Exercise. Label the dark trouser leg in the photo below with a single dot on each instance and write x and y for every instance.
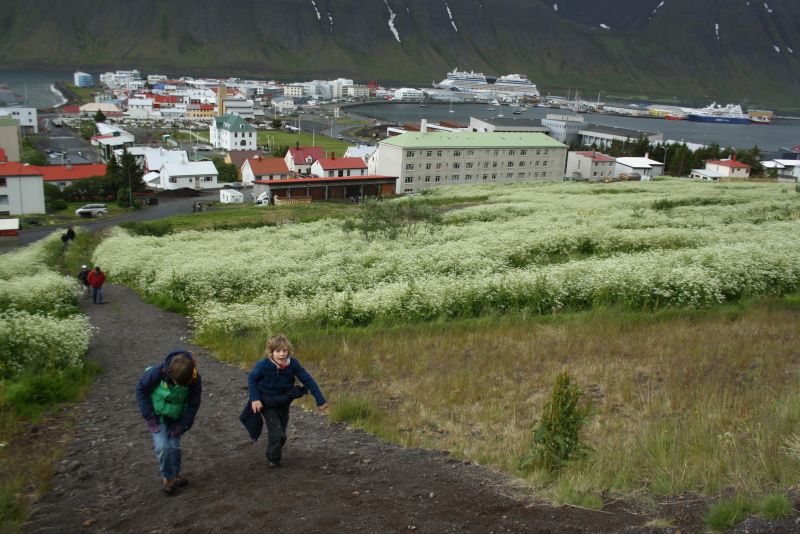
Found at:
(277, 420)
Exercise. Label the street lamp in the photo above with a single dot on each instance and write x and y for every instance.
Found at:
(664, 170)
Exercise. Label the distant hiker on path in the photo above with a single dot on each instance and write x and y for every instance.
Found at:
(67, 237)
(83, 276)
(272, 389)
(169, 397)
(96, 280)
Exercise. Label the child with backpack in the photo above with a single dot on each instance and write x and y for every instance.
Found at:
(169, 397)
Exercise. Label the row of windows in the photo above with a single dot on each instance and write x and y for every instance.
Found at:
(470, 165)
(468, 177)
(472, 152)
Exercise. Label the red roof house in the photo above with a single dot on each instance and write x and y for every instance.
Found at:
(339, 167)
(300, 159)
(261, 168)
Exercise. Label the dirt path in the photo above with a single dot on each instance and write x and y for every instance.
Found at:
(334, 480)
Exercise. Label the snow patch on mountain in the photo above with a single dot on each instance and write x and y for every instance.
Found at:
(392, 16)
(313, 3)
(660, 5)
(766, 6)
(450, 14)
(716, 30)
(777, 48)
(555, 8)
(605, 26)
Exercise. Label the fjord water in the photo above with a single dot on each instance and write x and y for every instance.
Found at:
(35, 85)
(769, 138)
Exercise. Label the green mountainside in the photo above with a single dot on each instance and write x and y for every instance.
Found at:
(744, 51)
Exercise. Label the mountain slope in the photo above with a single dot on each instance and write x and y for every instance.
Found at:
(707, 49)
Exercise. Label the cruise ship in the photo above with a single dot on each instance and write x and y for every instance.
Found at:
(730, 114)
(477, 81)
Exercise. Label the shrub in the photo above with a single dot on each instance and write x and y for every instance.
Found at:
(57, 205)
(556, 436)
(776, 506)
(152, 228)
(727, 513)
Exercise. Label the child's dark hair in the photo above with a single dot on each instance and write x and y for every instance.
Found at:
(278, 342)
(182, 369)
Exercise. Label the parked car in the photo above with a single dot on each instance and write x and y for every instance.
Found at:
(92, 210)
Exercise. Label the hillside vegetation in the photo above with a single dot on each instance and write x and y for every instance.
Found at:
(713, 50)
(672, 304)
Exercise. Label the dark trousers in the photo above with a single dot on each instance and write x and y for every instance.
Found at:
(277, 420)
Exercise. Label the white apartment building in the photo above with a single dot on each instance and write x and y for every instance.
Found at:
(82, 79)
(294, 89)
(591, 166)
(26, 117)
(429, 159)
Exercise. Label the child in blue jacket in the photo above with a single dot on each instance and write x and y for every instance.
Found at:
(272, 389)
(169, 397)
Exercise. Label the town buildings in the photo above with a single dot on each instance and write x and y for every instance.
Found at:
(430, 159)
(231, 132)
(726, 168)
(590, 166)
(21, 189)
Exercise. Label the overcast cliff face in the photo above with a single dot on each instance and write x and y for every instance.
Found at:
(736, 50)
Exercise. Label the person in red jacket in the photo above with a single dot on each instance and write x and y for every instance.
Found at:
(96, 280)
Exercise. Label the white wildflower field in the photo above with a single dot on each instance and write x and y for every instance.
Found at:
(541, 247)
(40, 328)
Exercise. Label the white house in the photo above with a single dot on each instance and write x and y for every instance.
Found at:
(155, 158)
(645, 167)
(591, 166)
(360, 151)
(300, 159)
(191, 174)
(283, 104)
(21, 189)
(329, 167)
(788, 169)
(725, 168)
(231, 132)
(140, 108)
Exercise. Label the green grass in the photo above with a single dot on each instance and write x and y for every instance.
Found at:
(67, 216)
(234, 216)
(277, 139)
(727, 513)
(25, 464)
(85, 95)
(775, 506)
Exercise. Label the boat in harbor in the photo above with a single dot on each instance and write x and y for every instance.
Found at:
(458, 80)
(730, 114)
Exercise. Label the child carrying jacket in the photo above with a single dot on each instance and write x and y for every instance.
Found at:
(272, 388)
(169, 397)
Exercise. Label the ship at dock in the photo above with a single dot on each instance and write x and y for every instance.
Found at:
(730, 114)
(471, 81)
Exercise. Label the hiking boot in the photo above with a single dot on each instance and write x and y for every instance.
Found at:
(180, 481)
(274, 465)
(170, 486)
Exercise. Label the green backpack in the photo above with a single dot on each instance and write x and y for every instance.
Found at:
(169, 401)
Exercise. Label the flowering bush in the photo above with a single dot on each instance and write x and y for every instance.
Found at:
(544, 246)
(39, 343)
(39, 327)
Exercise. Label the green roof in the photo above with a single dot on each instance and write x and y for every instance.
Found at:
(473, 140)
(233, 123)
(7, 121)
